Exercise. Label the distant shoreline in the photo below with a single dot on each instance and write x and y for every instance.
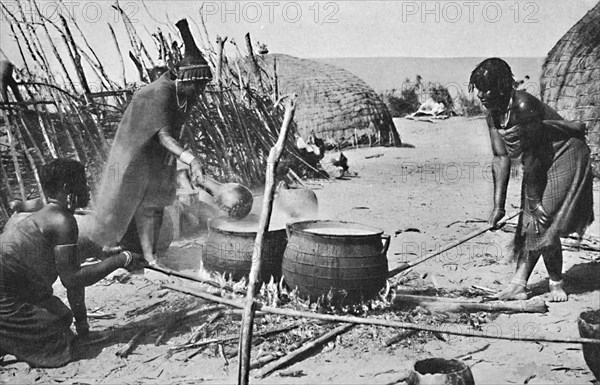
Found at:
(386, 73)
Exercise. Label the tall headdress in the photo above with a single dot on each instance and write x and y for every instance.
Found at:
(193, 66)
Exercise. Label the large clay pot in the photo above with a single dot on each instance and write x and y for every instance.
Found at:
(230, 245)
(439, 371)
(335, 258)
(589, 327)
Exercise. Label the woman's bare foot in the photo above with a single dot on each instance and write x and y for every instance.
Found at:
(514, 292)
(557, 293)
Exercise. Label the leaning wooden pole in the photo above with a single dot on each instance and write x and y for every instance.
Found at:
(75, 56)
(220, 44)
(405, 266)
(116, 41)
(29, 157)
(263, 226)
(13, 153)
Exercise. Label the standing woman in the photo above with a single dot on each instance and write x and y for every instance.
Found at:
(556, 195)
(139, 179)
(34, 324)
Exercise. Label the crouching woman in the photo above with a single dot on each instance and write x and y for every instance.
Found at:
(35, 326)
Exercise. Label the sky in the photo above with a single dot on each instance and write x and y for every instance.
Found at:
(319, 29)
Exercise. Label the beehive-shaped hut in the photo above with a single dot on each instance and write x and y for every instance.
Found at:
(334, 104)
(570, 81)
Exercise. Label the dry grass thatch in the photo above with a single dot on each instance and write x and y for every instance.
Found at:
(570, 81)
(333, 104)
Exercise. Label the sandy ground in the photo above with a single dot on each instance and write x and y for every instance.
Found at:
(435, 187)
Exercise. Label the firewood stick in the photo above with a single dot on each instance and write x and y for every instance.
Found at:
(124, 351)
(235, 337)
(233, 352)
(143, 309)
(528, 306)
(181, 316)
(398, 337)
(405, 266)
(264, 372)
(447, 328)
(194, 337)
(263, 226)
(263, 360)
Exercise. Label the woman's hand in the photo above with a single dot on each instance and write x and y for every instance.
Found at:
(197, 172)
(133, 261)
(540, 216)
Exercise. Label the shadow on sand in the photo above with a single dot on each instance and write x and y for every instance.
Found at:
(579, 279)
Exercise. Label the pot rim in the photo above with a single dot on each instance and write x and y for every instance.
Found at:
(297, 227)
(213, 225)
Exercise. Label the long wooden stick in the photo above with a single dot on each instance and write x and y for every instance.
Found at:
(406, 266)
(264, 372)
(196, 335)
(529, 306)
(447, 328)
(263, 226)
(174, 273)
(263, 360)
(398, 337)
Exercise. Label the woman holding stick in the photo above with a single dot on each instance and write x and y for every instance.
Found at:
(34, 324)
(556, 195)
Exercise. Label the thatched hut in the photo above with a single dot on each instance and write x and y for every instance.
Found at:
(570, 81)
(334, 104)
